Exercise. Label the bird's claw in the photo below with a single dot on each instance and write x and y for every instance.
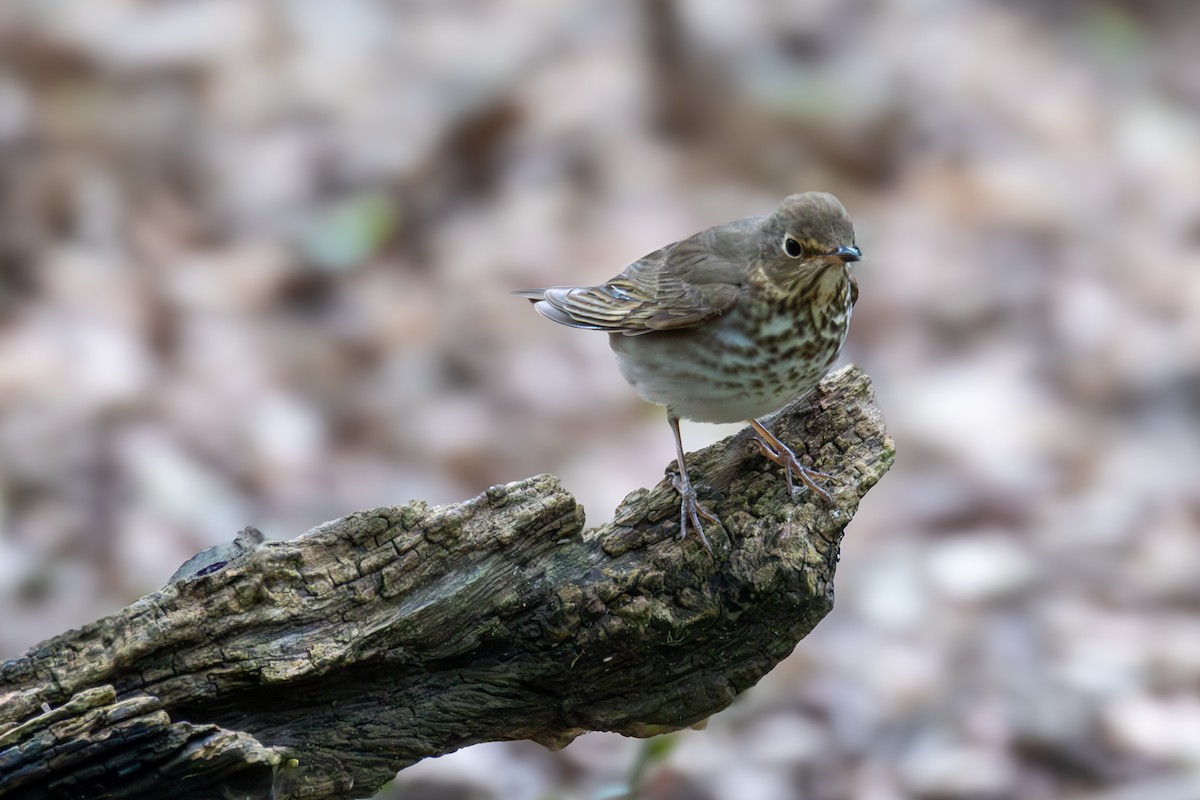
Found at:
(784, 457)
(691, 512)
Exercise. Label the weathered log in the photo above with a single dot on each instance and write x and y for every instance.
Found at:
(319, 666)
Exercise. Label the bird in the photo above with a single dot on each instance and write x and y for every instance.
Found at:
(728, 325)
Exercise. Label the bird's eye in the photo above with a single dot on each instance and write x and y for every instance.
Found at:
(792, 247)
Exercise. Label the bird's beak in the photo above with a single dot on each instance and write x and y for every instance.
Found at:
(848, 254)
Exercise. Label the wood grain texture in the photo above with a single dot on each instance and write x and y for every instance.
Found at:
(319, 666)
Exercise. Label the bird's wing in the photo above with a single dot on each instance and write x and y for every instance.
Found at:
(679, 286)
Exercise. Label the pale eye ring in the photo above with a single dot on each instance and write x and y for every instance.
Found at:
(792, 248)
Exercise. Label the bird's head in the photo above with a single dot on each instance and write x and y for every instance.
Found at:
(806, 234)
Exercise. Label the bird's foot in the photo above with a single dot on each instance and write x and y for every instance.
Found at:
(691, 512)
(782, 455)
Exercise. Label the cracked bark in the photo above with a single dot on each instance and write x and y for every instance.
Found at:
(319, 666)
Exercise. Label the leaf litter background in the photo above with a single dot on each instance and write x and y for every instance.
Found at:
(254, 264)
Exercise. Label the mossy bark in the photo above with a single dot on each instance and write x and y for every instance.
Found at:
(319, 666)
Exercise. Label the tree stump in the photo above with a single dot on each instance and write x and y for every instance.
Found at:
(318, 666)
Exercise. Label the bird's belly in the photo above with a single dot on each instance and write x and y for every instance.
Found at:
(726, 376)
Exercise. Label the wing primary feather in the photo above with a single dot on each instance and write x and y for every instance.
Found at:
(554, 314)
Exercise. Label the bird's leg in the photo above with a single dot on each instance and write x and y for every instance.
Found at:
(770, 446)
(773, 456)
(690, 510)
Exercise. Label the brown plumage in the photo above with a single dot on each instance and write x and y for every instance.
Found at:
(728, 325)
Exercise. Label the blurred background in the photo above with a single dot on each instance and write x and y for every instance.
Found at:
(255, 258)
